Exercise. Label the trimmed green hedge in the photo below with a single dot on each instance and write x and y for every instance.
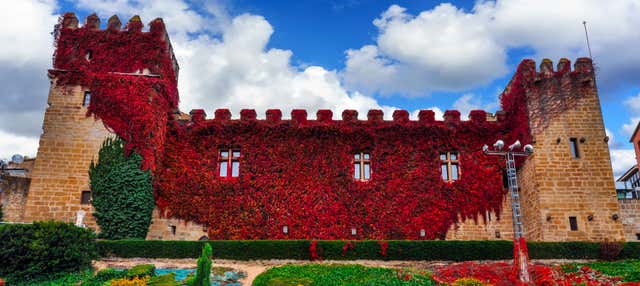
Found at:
(44, 250)
(332, 249)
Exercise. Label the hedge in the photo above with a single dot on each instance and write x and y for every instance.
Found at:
(333, 249)
(44, 249)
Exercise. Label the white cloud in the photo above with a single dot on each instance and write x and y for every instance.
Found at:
(469, 102)
(24, 59)
(633, 106)
(622, 160)
(11, 144)
(446, 48)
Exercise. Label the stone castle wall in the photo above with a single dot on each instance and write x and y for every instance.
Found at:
(70, 140)
(565, 105)
(630, 218)
(562, 104)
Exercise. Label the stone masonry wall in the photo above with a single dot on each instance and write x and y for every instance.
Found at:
(630, 217)
(564, 106)
(70, 140)
(491, 229)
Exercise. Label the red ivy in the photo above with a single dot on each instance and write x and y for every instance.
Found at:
(384, 245)
(293, 172)
(313, 250)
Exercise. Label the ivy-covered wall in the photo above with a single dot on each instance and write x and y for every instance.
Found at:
(296, 173)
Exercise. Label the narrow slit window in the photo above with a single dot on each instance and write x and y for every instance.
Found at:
(575, 151)
(450, 166)
(573, 223)
(362, 166)
(86, 99)
(229, 163)
(89, 55)
(85, 197)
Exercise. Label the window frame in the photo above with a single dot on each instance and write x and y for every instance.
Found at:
(361, 162)
(229, 160)
(82, 197)
(86, 98)
(573, 223)
(449, 163)
(574, 148)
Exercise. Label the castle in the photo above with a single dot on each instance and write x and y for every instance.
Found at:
(323, 178)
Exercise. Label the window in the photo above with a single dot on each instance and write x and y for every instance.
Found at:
(575, 152)
(362, 166)
(87, 99)
(573, 223)
(450, 166)
(85, 198)
(229, 163)
(637, 236)
(89, 55)
(173, 229)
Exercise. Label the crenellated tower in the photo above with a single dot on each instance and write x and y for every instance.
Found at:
(103, 81)
(568, 183)
(250, 178)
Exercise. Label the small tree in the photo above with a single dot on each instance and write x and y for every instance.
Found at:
(203, 272)
(122, 193)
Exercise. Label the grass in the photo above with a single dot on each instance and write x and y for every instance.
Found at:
(335, 274)
(629, 270)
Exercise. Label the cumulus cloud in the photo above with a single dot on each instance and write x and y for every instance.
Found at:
(622, 160)
(447, 48)
(469, 102)
(633, 105)
(238, 71)
(24, 59)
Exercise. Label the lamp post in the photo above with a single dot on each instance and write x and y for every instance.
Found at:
(520, 256)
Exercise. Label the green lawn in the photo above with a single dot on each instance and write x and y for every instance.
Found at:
(629, 270)
(335, 274)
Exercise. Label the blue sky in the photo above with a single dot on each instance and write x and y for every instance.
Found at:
(356, 54)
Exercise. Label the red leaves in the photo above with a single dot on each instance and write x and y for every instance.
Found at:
(384, 245)
(297, 173)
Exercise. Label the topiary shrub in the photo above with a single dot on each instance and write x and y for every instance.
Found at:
(121, 192)
(44, 249)
(203, 272)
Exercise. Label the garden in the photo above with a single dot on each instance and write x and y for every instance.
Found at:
(56, 253)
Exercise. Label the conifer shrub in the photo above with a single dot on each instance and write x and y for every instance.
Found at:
(122, 193)
(203, 272)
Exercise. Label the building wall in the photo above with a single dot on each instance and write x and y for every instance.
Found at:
(565, 105)
(630, 218)
(69, 142)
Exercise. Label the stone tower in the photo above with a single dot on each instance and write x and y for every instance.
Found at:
(567, 185)
(88, 58)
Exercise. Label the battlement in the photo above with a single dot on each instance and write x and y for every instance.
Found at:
(582, 67)
(127, 49)
(325, 117)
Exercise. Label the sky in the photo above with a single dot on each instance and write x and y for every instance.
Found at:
(341, 54)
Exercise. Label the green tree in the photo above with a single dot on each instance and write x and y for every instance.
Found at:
(203, 272)
(122, 193)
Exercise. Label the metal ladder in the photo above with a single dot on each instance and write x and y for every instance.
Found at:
(518, 230)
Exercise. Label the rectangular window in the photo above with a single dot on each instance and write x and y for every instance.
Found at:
(229, 163)
(85, 198)
(450, 166)
(637, 236)
(362, 166)
(87, 99)
(573, 223)
(575, 152)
